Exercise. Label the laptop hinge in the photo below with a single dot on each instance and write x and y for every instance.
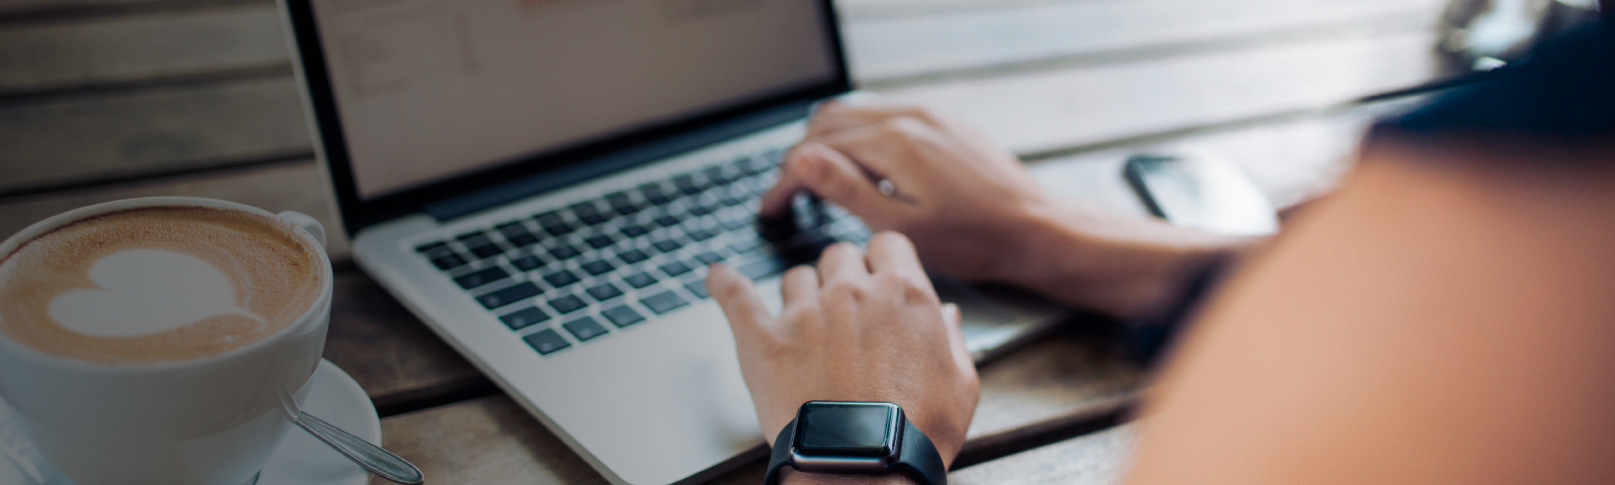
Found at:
(532, 185)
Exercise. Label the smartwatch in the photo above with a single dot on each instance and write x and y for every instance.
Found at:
(855, 437)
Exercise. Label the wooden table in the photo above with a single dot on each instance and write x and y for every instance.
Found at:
(109, 99)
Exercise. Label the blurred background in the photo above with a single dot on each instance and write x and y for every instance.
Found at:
(109, 99)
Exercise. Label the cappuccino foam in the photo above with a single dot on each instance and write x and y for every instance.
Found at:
(158, 284)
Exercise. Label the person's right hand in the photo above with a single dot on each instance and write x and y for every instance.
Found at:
(965, 202)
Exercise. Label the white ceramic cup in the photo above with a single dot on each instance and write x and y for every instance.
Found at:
(214, 420)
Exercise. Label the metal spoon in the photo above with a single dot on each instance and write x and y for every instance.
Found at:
(372, 458)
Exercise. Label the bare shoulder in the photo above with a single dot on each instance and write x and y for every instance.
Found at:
(1433, 322)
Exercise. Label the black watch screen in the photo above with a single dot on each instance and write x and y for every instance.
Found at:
(847, 429)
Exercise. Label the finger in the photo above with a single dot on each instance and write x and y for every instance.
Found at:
(828, 173)
(893, 252)
(800, 285)
(739, 300)
(842, 260)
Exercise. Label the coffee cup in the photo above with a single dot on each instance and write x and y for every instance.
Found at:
(146, 341)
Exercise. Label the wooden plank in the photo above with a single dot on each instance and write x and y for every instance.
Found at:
(294, 186)
(61, 141)
(59, 55)
(1062, 108)
(883, 47)
(1094, 459)
(400, 363)
(492, 441)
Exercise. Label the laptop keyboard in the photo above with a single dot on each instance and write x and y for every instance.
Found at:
(572, 276)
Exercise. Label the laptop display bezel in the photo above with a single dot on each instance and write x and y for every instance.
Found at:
(358, 213)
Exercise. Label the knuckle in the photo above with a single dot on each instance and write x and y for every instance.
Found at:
(890, 237)
(845, 291)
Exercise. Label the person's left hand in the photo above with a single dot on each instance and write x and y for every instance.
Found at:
(856, 329)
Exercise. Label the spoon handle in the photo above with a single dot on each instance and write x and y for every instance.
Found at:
(381, 462)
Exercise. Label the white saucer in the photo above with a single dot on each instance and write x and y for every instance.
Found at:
(300, 460)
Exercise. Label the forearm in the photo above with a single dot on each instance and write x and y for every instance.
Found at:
(1120, 266)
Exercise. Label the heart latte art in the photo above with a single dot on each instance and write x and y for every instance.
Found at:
(160, 284)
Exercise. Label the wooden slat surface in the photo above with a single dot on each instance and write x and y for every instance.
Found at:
(883, 47)
(492, 440)
(93, 138)
(293, 186)
(1093, 459)
(1060, 108)
(63, 55)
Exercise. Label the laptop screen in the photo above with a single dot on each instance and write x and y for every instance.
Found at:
(430, 89)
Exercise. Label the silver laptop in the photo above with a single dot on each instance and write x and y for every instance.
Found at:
(543, 182)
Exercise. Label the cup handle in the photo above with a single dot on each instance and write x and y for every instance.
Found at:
(307, 223)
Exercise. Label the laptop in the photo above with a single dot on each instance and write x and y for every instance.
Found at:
(543, 182)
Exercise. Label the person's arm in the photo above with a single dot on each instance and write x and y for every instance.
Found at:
(974, 212)
(1447, 317)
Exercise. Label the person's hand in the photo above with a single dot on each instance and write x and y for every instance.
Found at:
(962, 199)
(974, 211)
(858, 328)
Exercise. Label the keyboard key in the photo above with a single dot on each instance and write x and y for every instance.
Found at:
(588, 213)
(667, 221)
(718, 175)
(764, 267)
(599, 242)
(737, 223)
(522, 240)
(546, 341)
(560, 279)
(640, 280)
(527, 263)
(621, 203)
(473, 235)
(448, 262)
(568, 304)
(525, 318)
(700, 210)
(564, 252)
(666, 245)
(584, 328)
(634, 230)
(428, 247)
(654, 193)
(478, 278)
(509, 295)
(604, 292)
(675, 268)
(597, 267)
(623, 316)
(698, 287)
(633, 256)
(663, 302)
(708, 257)
(487, 251)
(686, 183)
(553, 223)
(699, 234)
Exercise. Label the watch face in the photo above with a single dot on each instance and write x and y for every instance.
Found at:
(846, 429)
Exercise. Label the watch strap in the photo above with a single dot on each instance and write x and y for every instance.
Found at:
(919, 458)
